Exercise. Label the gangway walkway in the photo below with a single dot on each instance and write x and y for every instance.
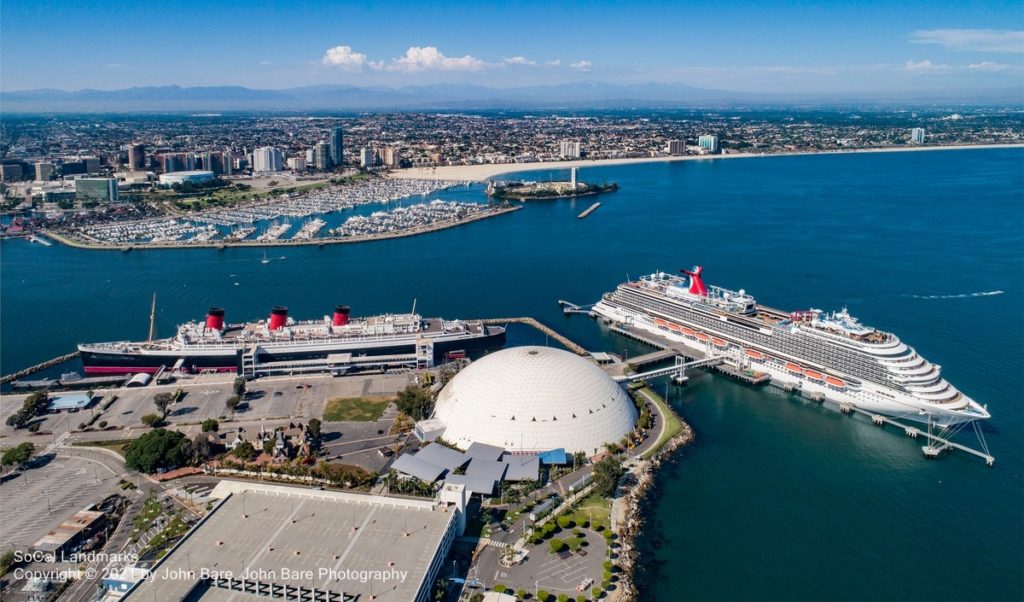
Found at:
(571, 308)
(676, 370)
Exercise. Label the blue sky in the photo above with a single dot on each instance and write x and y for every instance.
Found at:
(763, 46)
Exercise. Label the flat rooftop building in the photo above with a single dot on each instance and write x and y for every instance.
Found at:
(293, 543)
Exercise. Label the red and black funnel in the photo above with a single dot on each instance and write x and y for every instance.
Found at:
(278, 318)
(340, 315)
(215, 318)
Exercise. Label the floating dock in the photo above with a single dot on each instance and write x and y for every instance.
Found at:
(588, 211)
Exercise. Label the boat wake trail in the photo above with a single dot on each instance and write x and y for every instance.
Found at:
(960, 296)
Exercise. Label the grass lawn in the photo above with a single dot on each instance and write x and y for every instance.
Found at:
(595, 509)
(671, 423)
(355, 409)
(115, 445)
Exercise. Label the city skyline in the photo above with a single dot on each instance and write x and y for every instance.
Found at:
(773, 47)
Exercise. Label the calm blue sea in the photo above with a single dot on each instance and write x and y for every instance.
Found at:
(778, 499)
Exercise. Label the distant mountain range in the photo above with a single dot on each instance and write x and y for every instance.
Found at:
(579, 95)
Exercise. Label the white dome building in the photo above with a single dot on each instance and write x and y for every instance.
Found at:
(535, 399)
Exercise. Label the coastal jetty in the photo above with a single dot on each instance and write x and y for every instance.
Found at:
(588, 210)
(41, 366)
(551, 332)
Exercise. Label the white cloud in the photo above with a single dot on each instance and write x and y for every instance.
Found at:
(987, 40)
(519, 60)
(429, 58)
(581, 65)
(554, 63)
(265, 63)
(925, 67)
(987, 66)
(344, 58)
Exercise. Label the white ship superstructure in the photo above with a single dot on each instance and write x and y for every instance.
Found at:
(831, 354)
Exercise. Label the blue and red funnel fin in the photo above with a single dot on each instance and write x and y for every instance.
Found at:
(697, 286)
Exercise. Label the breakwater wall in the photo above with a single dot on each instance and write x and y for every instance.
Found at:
(41, 366)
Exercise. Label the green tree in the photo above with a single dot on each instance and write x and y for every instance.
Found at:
(19, 454)
(543, 595)
(232, 403)
(159, 448)
(556, 545)
(36, 404)
(239, 386)
(152, 420)
(415, 402)
(607, 473)
(210, 425)
(313, 429)
(202, 448)
(268, 446)
(163, 402)
(244, 451)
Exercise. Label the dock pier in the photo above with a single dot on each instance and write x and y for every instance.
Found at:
(936, 442)
(551, 332)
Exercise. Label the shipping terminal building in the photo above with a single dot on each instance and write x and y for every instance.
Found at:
(264, 541)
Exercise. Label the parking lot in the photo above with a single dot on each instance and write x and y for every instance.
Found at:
(35, 501)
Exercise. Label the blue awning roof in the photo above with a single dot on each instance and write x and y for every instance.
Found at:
(554, 456)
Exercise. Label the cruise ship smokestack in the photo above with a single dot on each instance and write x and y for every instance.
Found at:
(340, 315)
(215, 318)
(278, 318)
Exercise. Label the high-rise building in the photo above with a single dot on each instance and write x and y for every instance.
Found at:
(337, 147)
(389, 157)
(297, 163)
(366, 157)
(10, 172)
(100, 190)
(136, 157)
(708, 142)
(44, 171)
(92, 164)
(917, 135)
(311, 157)
(267, 158)
(572, 178)
(676, 147)
(569, 149)
(322, 155)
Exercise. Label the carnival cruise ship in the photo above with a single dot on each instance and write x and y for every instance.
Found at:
(831, 354)
(213, 345)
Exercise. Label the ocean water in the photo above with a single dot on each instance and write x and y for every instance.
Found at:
(778, 499)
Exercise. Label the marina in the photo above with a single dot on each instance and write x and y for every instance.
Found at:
(270, 220)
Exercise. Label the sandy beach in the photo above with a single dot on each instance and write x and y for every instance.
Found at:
(480, 173)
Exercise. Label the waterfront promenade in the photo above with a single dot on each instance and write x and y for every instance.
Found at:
(481, 173)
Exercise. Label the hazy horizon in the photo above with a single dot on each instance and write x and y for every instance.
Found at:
(773, 47)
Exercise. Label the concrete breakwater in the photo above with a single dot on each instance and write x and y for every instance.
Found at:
(41, 366)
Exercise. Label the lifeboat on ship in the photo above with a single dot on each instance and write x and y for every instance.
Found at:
(814, 375)
(702, 337)
(660, 322)
(794, 368)
(719, 342)
(757, 356)
(688, 331)
(675, 327)
(835, 382)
